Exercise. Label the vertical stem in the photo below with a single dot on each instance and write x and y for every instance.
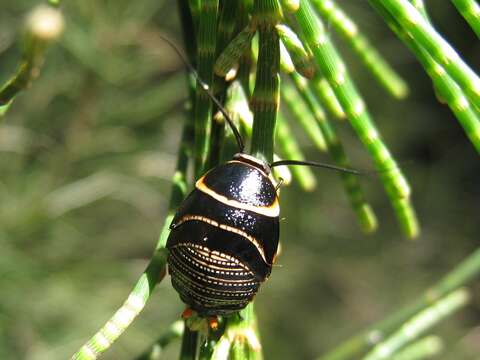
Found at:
(266, 95)
(206, 43)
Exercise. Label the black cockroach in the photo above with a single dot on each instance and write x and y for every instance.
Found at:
(224, 236)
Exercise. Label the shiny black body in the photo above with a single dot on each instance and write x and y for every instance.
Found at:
(224, 237)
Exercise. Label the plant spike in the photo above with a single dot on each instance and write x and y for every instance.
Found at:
(336, 73)
(470, 10)
(446, 87)
(424, 348)
(43, 25)
(324, 93)
(464, 273)
(420, 323)
(371, 58)
(412, 22)
(206, 43)
(351, 183)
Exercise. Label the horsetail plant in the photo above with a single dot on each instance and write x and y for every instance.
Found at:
(364, 211)
(223, 42)
(412, 22)
(371, 58)
(337, 75)
(445, 86)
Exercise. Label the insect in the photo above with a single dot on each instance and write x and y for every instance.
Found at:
(224, 236)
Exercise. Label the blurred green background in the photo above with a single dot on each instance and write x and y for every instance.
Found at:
(86, 158)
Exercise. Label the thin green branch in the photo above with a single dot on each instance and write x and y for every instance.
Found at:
(461, 275)
(289, 149)
(298, 108)
(124, 316)
(324, 93)
(337, 75)
(412, 22)
(422, 349)
(371, 58)
(206, 44)
(470, 10)
(445, 86)
(266, 95)
(43, 25)
(419, 324)
(351, 183)
(301, 59)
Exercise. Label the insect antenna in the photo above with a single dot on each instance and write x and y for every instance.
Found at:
(315, 164)
(207, 90)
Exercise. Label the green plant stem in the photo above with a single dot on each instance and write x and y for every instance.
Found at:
(470, 10)
(324, 93)
(289, 149)
(298, 108)
(336, 74)
(412, 22)
(371, 58)
(226, 25)
(419, 324)
(206, 44)
(300, 58)
(365, 214)
(424, 348)
(266, 95)
(35, 43)
(461, 275)
(446, 87)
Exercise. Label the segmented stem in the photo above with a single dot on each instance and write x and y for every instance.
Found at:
(301, 59)
(266, 95)
(302, 115)
(206, 43)
(124, 316)
(232, 53)
(470, 10)
(337, 75)
(351, 183)
(324, 93)
(419, 324)
(370, 57)
(411, 21)
(446, 87)
(464, 273)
